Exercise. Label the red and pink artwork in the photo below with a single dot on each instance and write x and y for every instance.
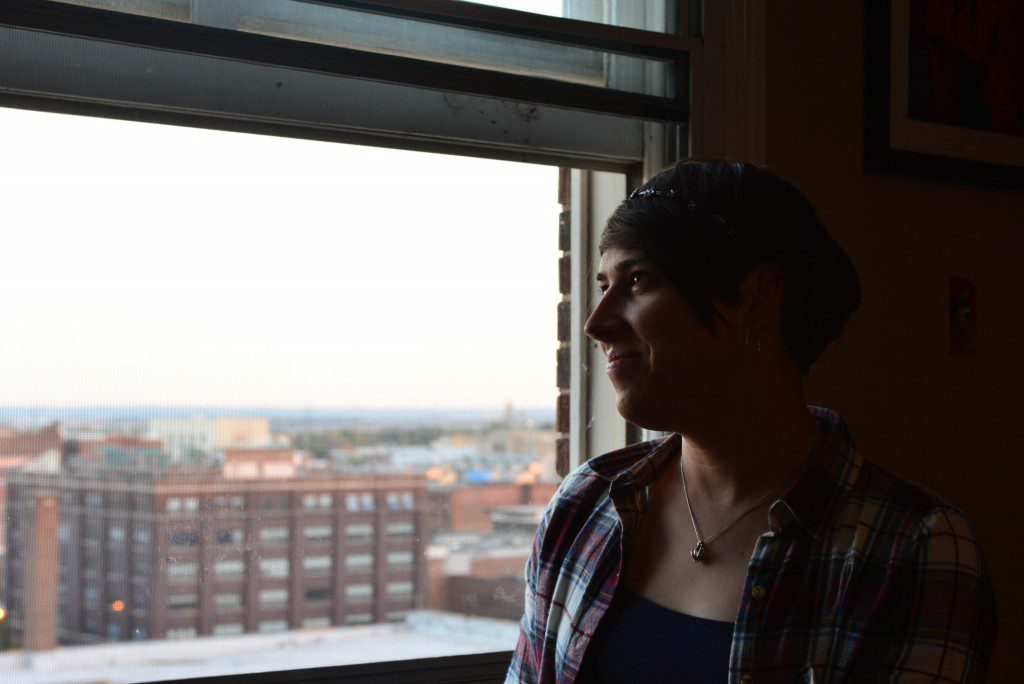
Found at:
(967, 64)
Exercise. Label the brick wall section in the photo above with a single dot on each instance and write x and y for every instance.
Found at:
(42, 559)
(564, 327)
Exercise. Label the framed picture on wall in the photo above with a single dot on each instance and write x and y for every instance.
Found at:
(944, 88)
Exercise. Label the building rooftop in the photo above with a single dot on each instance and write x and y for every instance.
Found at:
(426, 634)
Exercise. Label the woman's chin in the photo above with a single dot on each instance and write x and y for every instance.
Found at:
(631, 407)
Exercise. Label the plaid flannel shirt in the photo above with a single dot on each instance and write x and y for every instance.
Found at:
(861, 576)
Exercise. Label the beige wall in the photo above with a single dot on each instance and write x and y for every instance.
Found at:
(956, 425)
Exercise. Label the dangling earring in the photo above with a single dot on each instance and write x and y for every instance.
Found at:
(746, 342)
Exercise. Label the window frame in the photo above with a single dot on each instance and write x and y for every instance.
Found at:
(626, 142)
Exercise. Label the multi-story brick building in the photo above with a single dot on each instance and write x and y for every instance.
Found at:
(178, 553)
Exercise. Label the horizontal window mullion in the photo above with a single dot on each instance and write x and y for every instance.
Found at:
(117, 27)
(510, 22)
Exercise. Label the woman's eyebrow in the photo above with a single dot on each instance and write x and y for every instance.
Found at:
(621, 266)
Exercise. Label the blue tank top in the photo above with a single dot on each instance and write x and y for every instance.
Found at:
(638, 640)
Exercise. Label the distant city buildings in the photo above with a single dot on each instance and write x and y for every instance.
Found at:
(137, 554)
(194, 438)
(181, 528)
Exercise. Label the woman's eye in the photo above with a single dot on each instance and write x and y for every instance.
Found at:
(632, 276)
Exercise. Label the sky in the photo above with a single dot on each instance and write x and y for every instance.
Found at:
(148, 264)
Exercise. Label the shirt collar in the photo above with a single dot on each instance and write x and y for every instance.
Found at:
(812, 500)
(824, 483)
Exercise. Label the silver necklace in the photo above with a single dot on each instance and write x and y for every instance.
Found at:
(697, 552)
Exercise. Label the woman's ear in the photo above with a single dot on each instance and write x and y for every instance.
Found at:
(762, 291)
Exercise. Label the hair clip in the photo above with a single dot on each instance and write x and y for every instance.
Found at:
(637, 192)
(692, 206)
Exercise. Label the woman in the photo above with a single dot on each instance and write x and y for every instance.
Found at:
(754, 543)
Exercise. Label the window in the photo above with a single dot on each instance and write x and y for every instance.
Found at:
(314, 622)
(228, 569)
(315, 502)
(116, 534)
(141, 537)
(227, 600)
(318, 595)
(278, 502)
(316, 563)
(181, 572)
(183, 538)
(273, 598)
(317, 533)
(230, 537)
(358, 618)
(274, 567)
(399, 588)
(93, 500)
(229, 504)
(359, 562)
(273, 534)
(399, 559)
(359, 531)
(358, 593)
(213, 92)
(228, 628)
(400, 529)
(269, 626)
(181, 633)
(182, 603)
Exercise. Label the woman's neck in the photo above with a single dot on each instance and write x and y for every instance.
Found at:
(738, 457)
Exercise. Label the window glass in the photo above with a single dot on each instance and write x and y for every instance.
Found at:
(178, 571)
(318, 594)
(359, 561)
(273, 598)
(317, 532)
(227, 600)
(316, 563)
(228, 272)
(273, 534)
(359, 530)
(274, 567)
(228, 568)
(400, 529)
(399, 558)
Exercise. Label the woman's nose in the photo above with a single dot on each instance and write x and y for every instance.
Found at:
(601, 319)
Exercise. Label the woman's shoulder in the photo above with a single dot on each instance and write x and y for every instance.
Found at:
(909, 511)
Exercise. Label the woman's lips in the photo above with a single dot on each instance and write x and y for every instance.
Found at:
(621, 363)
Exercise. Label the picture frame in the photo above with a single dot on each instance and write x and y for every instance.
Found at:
(944, 89)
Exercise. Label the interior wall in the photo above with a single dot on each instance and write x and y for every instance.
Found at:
(953, 424)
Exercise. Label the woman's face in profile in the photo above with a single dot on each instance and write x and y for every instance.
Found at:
(671, 364)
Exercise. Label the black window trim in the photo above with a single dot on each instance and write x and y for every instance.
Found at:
(166, 34)
(474, 667)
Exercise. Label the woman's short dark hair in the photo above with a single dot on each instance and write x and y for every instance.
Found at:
(774, 222)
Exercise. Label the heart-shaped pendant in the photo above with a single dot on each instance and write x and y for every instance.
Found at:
(697, 551)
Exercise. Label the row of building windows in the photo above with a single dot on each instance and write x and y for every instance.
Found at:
(280, 567)
(278, 598)
(271, 535)
(270, 626)
(354, 502)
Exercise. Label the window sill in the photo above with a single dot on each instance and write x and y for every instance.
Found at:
(476, 667)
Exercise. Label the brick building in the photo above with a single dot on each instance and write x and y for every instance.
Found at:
(468, 508)
(180, 553)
